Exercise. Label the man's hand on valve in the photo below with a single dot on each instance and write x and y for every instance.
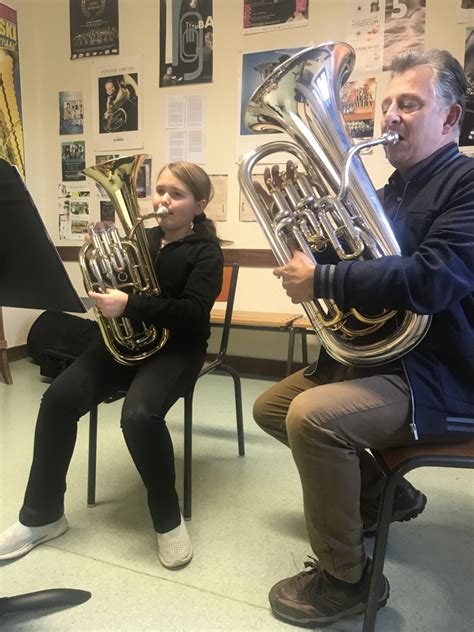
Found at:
(297, 277)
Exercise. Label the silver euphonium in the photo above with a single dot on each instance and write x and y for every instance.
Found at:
(331, 211)
(109, 261)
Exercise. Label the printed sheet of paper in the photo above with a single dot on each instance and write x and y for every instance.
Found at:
(217, 207)
(364, 32)
(267, 15)
(74, 210)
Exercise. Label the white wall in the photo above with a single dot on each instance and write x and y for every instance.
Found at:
(46, 70)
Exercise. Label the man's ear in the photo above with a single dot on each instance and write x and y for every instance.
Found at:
(452, 118)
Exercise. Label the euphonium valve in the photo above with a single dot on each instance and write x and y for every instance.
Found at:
(110, 260)
(331, 210)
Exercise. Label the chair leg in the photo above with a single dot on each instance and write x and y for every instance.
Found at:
(304, 346)
(238, 406)
(92, 458)
(380, 547)
(188, 439)
(291, 350)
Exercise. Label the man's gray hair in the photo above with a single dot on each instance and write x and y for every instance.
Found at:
(449, 83)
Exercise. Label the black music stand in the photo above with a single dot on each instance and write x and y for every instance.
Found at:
(32, 274)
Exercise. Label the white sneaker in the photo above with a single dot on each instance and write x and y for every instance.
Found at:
(18, 539)
(174, 547)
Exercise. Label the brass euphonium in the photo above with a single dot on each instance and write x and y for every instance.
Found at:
(110, 261)
(333, 207)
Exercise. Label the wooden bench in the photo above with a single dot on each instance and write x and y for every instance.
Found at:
(261, 321)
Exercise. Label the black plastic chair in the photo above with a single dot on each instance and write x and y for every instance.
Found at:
(396, 462)
(227, 296)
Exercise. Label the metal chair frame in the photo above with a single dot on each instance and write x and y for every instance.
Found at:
(227, 295)
(426, 455)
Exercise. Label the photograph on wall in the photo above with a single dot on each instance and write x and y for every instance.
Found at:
(467, 128)
(255, 69)
(364, 32)
(465, 11)
(11, 123)
(93, 26)
(107, 212)
(271, 15)
(73, 160)
(71, 113)
(143, 183)
(117, 104)
(186, 42)
(404, 28)
(74, 201)
(358, 108)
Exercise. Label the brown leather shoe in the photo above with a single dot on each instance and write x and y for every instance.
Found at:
(310, 598)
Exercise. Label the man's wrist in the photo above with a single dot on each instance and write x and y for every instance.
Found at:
(323, 281)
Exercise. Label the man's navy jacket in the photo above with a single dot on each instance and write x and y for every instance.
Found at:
(432, 214)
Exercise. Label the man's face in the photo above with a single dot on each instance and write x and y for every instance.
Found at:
(410, 108)
(109, 88)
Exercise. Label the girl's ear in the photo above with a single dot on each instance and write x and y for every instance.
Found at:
(201, 205)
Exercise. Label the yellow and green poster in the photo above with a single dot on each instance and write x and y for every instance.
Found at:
(11, 125)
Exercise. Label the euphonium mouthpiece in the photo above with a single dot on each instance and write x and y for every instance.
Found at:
(161, 211)
(391, 137)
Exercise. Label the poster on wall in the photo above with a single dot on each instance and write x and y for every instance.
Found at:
(358, 108)
(186, 42)
(11, 125)
(73, 160)
(271, 15)
(465, 11)
(255, 69)
(404, 28)
(143, 183)
(217, 207)
(74, 201)
(93, 26)
(107, 212)
(117, 107)
(364, 31)
(467, 129)
(71, 113)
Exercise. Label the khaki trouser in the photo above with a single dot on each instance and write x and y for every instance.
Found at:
(327, 421)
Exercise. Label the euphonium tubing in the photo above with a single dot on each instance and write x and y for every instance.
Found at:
(122, 262)
(333, 207)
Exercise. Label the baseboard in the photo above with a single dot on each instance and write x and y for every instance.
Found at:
(246, 367)
(17, 353)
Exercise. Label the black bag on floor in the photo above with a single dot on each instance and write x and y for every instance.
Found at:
(56, 339)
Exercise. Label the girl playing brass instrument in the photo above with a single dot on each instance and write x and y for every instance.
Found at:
(188, 262)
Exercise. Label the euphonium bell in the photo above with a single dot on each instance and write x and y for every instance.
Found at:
(331, 211)
(124, 263)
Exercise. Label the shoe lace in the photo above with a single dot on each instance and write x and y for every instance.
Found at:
(312, 564)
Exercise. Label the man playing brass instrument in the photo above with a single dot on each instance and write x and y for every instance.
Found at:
(331, 413)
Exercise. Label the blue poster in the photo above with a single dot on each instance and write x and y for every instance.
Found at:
(71, 113)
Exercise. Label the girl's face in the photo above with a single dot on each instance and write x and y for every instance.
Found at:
(182, 207)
